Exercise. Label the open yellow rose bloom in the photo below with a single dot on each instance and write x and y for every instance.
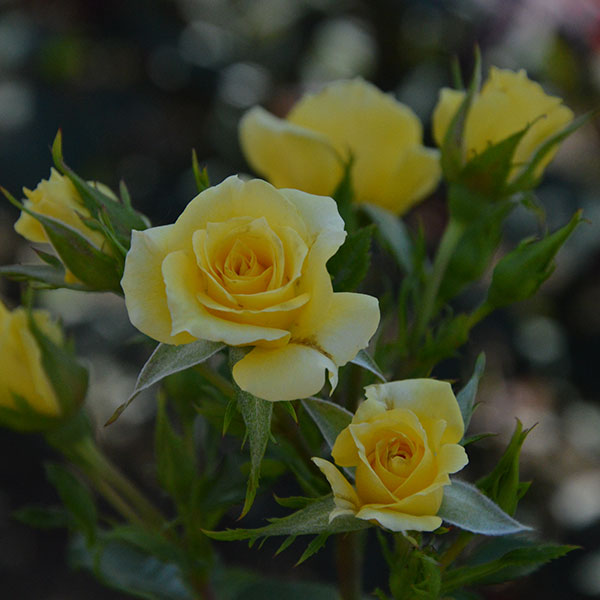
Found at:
(307, 150)
(506, 104)
(403, 441)
(245, 264)
(21, 371)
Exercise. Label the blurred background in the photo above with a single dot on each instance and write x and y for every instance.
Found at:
(136, 85)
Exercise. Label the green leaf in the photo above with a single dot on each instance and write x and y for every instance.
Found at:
(76, 498)
(365, 360)
(175, 467)
(513, 564)
(314, 546)
(330, 418)
(124, 567)
(466, 507)
(466, 396)
(200, 175)
(349, 265)
(166, 360)
(520, 273)
(257, 414)
(39, 275)
(313, 519)
(394, 234)
(502, 485)
(42, 517)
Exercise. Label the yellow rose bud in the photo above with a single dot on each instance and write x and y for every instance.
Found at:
(21, 371)
(403, 441)
(307, 150)
(506, 104)
(245, 264)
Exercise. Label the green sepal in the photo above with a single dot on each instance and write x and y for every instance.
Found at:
(528, 179)
(200, 175)
(257, 414)
(349, 265)
(520, 273)
(23, 417)
(502, 485)
(121, 216)
(452, 146)
(68, 377)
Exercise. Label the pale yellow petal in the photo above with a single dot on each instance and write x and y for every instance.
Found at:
(344, 494)
(451, 458)
(288, 155)
(415, 177)
(427, 398)
(144, 287)
(347, 326)
(448, 104)
(288, 373)
(183, 282)
(397, 521)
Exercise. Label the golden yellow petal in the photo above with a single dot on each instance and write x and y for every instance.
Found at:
(398, 521)
(344, 494)
(448, 103)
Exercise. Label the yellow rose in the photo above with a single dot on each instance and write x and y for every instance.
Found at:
(403, 441)
(507, 103)
(307, 150)
(58, 199)
(245, 264)
(21, 371)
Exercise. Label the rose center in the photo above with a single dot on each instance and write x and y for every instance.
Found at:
(242, 262)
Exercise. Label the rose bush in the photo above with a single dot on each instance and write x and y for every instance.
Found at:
(403, 441)
(245, 264)
(21, 371)
(307, 150)
(506, 104)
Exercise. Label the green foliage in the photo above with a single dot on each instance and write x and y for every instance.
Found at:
(166, 360)
(520, 273)
(312, 519)
(503, 485)
(42, 517)
(366, 361)
(349, 265)
(76, 498)
(466, 396)
(344, 197)
(466, 507)
(515, 563)
(40, 276)
(257, 414)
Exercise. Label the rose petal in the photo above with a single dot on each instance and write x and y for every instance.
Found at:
(183, 282)
(445, 110)
(289, 155)
(346, 500)
(144, 287)
(287, 373)
(397, 521)
(429, 399)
